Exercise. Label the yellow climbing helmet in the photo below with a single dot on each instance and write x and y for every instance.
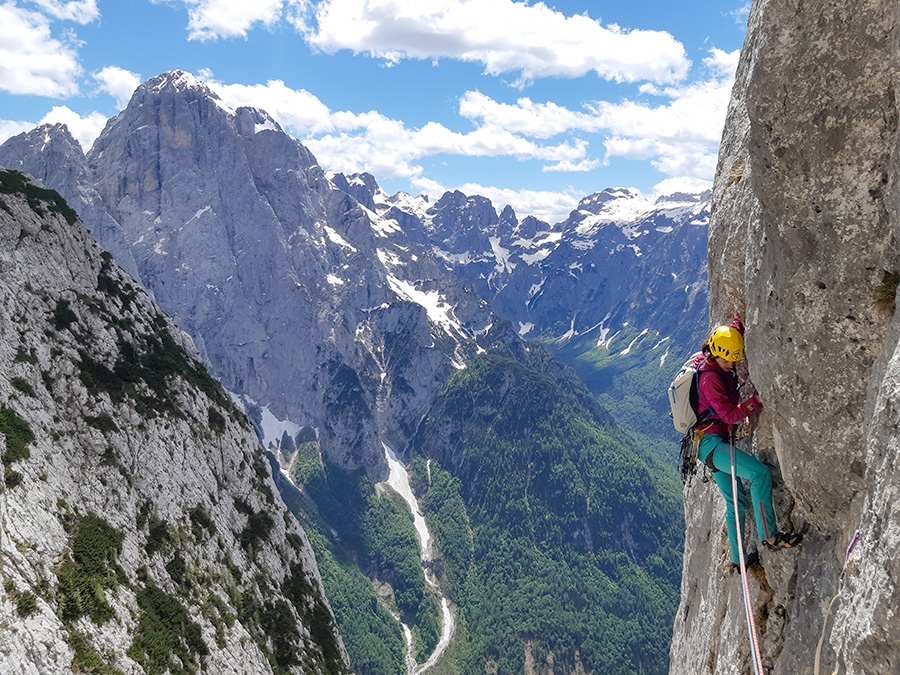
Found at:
(727, 343)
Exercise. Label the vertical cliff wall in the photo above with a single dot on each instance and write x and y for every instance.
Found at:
(804, 228)
(140, 528)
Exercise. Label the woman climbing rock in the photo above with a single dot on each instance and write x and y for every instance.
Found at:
(718, 393)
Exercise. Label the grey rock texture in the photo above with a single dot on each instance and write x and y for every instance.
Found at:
(804, 225)
(50, 154)
(618, 259)
(137, 508)
(277, 274)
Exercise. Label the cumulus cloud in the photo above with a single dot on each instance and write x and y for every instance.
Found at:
(530, 40)
(84, 129)
(33, 61)
(295, 109)
(538, 120)
(369, 141)
(679, 134)
(118, 83)
(680, 137)
(672, 185)
(215, 19)
(79, 11)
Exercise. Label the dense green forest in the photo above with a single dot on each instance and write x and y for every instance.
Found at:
(575, 536)
(630, 377)
(363, 534)
(559, 533)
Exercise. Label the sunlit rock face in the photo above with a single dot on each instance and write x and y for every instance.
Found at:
(804, 228)
(141, 528)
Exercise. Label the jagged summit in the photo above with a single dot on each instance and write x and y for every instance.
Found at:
(176, 80)
(611, 194)
(50, 154)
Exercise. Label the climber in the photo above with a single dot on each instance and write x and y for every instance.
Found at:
(718, 393)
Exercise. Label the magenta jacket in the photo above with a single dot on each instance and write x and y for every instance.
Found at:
(718, 389)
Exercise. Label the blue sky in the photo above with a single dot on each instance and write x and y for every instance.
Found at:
(530, 104)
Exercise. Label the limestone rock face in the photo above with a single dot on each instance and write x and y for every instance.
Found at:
(50, 154)
(140, 528)
(805, 224)
(276, 273)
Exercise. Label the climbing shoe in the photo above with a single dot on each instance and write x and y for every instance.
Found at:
(784, 540)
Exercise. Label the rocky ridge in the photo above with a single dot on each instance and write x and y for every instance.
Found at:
(140, 529)
(237, 232)
(804, 232)
(618, 259)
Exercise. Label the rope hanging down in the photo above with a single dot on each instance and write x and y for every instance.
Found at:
(748, 610)
(818, 659)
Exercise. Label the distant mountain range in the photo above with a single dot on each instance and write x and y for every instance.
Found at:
(344, 320)
(328, 305)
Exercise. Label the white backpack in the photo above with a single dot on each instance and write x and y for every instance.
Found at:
(683, 398)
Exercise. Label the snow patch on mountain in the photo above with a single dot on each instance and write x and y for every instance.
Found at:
(534, 258)
(389, 259)
(274, 429)
(335, 238)
(435, 305)
(631, 345)
(384, 227)
(501, 256)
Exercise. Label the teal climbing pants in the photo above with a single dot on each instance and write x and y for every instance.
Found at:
(753, 471)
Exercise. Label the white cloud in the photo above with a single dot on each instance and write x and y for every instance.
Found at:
(681, 137)
(296, 109)
(722, 63)
(118, 83)
(568, 166)
(33, 62)
(538, 120)
(369, 141)
(213, 19)
(531, 40)
(551, 207)
(84, 129)
(672, 185)
(79, 11)
(10, 128)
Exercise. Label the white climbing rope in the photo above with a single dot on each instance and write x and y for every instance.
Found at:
(748, 609)
(818, 660)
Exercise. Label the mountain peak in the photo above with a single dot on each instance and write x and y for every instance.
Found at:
(175, 79)
(608, 195)
(253, 120)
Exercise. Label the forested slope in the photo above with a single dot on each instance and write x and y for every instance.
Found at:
(575, 536)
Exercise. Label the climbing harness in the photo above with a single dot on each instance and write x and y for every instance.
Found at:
(748, 609)
(833, 600)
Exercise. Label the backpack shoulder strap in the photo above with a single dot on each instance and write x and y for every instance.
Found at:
(708, 412)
